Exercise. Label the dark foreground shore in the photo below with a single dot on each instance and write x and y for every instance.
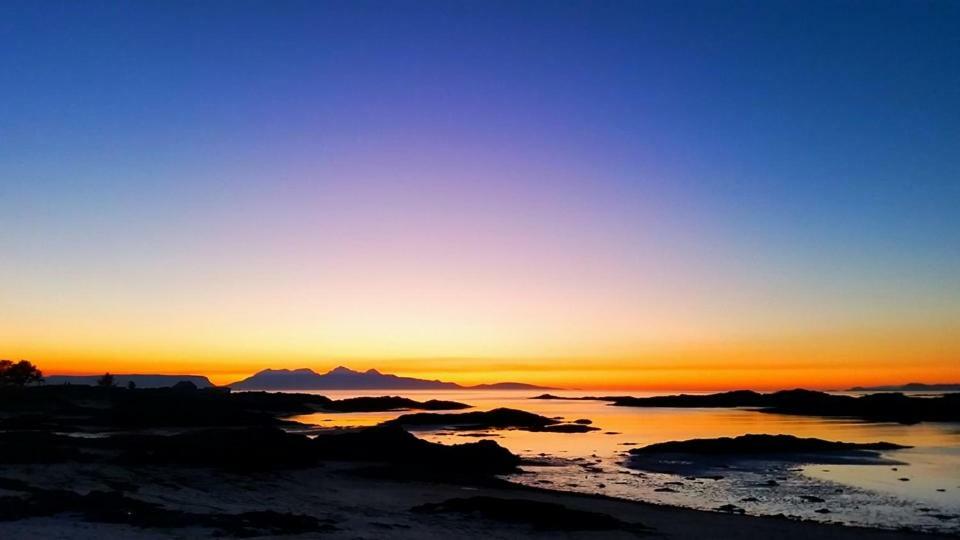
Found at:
(347, 500)
(82, 462)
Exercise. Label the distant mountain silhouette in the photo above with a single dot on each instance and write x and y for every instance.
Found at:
(142, 381)
(909, 387)
(509, 386)
(342, 378)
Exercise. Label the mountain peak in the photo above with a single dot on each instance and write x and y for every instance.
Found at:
(301, 371)
(342, 370)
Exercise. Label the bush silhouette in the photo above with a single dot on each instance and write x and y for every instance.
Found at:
(105, 381)
(19, 373)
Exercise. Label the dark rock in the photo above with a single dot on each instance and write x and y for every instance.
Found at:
(812, 498)
(585, 398)
(738, 398)
(184, 386)
(390, 403)
(565, 428)
(758, 444)
(243, 449)
(391, 444)
(280, 402)
(497, 418)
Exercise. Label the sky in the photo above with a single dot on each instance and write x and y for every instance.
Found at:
(645, 194)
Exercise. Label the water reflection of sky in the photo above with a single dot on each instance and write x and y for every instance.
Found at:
(854, 493)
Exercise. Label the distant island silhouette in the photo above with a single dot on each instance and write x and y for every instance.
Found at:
(339, 378)
(140, 381)
(343, 378)
(909, 387)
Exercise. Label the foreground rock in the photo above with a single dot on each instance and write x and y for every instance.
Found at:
(502, 418)
(756, 452)
(391, 444)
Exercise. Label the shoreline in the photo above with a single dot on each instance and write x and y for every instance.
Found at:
(860, 531)
(367, 501)
(185, 462)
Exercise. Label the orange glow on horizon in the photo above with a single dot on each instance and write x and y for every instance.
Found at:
(833, 361)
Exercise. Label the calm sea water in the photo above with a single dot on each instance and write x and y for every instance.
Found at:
(922, 492)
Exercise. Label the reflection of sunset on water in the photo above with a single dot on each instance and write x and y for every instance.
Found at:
(933, 464)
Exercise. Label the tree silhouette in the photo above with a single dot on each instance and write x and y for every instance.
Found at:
(105, 381)
(19, 373)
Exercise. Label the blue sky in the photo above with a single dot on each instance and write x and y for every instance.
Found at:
(796, 161)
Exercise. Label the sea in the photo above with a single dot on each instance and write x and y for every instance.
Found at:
(916, 488)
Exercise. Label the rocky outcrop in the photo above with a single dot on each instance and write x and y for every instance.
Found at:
(759, 444)
(392, 444)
